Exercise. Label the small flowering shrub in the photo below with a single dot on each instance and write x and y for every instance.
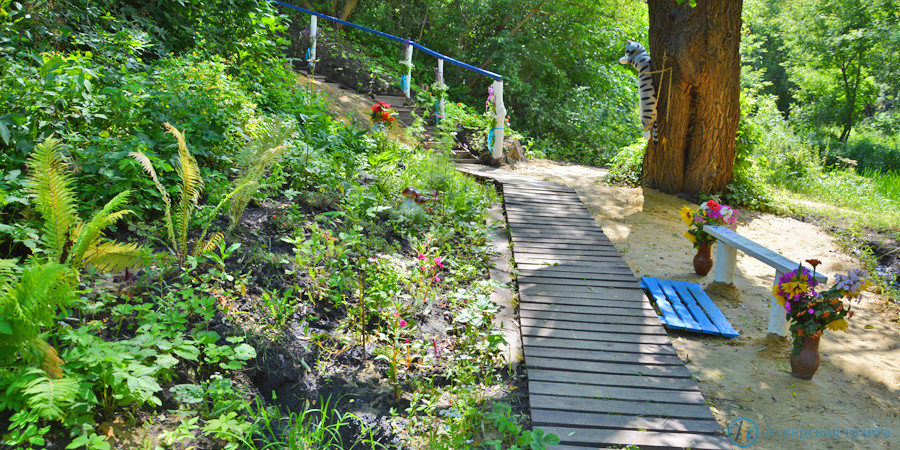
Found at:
(382, 114)
(709, 213)
(810, 312)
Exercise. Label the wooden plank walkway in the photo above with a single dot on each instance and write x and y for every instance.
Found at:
(601, 369)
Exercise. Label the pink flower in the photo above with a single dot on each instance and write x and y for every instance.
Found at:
(437, 278)
(421, 256)
(401, 323)
(437, 260)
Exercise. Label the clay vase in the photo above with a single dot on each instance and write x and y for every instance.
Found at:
(805, 363)
(702, 261)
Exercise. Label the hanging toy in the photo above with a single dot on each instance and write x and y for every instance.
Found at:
(636, 54)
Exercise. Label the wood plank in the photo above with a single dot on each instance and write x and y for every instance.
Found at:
(627, 407)
(663, 384)
(600, 270)
(537, 258)
(643, 439)
(519, 198)
(689, 322)
(567, 325)
(591, 355)
(622, 308)
(562, 342)
(576, 246)
(601, 420)
(570, 230)
(706, 325)
(670, 317)
(624, 295)
(569, 316)
(605, 367)
(599, 280)
(715, 315)
(578, 290)
(573, 267)
(562, 240)
(596, 336)
(532, 218)
(591, 314)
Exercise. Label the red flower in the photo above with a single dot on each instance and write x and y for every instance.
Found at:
(813, 262)
(713, 205)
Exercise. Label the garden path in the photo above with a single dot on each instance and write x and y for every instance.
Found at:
(601, 369)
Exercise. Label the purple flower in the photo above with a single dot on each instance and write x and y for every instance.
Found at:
(810, 310)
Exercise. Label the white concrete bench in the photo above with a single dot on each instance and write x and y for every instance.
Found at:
(726, 261)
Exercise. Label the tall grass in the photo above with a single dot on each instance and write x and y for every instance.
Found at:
(886, 183)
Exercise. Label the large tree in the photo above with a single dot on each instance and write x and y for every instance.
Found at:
(699, 94)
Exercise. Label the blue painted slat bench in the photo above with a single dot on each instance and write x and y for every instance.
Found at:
(685, 306)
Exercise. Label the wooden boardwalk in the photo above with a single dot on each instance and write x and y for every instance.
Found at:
(601, 369)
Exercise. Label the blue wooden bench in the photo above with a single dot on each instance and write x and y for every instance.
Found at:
(685, 306)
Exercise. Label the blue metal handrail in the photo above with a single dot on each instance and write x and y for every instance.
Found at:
(424, 49)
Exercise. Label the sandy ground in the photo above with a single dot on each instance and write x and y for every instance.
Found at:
(857, 386)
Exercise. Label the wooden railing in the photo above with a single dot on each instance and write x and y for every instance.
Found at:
(406, 79)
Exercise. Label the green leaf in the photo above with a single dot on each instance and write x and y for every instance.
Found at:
(244, 352)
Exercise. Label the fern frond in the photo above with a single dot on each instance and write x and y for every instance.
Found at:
(31, 304)
(211, 244)
(255, 158)
(89, 235)
(51, 189)
(7, 272)
(148, 167)
(50, 398)
(114, 256)
(191, 186)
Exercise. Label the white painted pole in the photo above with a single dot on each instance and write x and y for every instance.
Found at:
(777, 320)
(408, 58)
(499, 120)
(440, 79)
(313, 35)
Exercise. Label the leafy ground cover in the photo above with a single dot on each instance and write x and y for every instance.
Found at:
(268, 287)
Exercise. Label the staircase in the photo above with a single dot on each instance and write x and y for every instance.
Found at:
(404, 117)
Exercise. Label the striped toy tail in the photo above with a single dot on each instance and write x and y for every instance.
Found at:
(655, 131)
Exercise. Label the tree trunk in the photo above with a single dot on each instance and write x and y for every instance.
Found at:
(698, 108)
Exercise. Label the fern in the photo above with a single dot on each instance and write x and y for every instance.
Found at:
(256, 157)
(66, 239)
(177, 221)
(51, 188)
(49, 398)
(29, 305)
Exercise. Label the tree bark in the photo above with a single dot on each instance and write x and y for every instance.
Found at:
(698, 108)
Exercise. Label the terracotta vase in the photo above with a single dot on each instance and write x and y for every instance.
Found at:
(702, 261)
(805, 363)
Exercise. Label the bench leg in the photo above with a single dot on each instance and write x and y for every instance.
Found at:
(726, 260)
(777, 320)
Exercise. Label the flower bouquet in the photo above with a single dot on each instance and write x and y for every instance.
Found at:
(383, 115)
(711, 213)
(810, 312)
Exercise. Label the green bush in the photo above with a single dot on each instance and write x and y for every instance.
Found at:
(626, 166)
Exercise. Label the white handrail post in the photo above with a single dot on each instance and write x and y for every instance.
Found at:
(313, 35)
(499, 120)
(408, 63)
(440, 79)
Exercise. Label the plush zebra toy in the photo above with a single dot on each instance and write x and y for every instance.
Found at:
(636, 54)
